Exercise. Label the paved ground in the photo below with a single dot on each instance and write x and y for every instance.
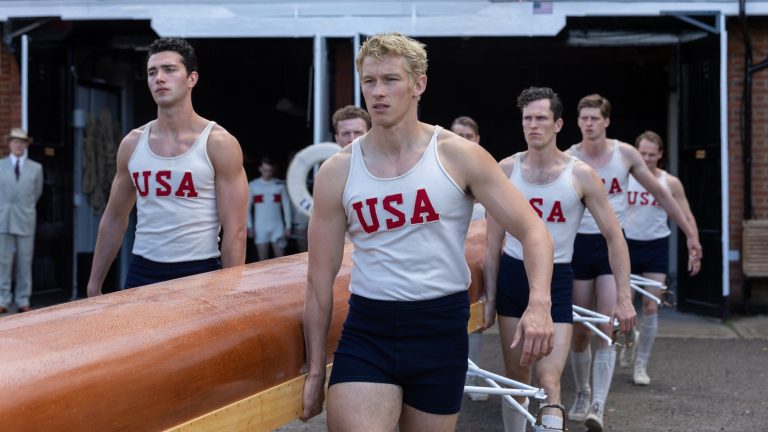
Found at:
(707, 375)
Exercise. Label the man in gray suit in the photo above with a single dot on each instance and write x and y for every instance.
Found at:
(21, 184)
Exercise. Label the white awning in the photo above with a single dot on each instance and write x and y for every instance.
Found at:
(197, 19)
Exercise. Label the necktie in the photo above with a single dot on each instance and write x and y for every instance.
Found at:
(16, 170)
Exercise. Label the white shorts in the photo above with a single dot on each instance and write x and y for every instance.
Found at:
(274, 235)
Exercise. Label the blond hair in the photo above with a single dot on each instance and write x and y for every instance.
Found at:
(398, 44)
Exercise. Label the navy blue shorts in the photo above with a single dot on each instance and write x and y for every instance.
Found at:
(590, 257)
(512, 290)
(420, 346)
(649, 256)
(144, 272)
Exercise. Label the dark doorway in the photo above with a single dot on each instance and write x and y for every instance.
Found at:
(259, 90)
(700, 173)
(482, 77)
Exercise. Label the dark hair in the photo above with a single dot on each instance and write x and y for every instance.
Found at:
(350, 112)
(266, 161)
(595, 101)
(532, 94)
(177, 45)
(467, 121)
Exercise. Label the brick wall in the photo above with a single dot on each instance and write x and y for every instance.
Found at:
(10, 96)
(736, 52)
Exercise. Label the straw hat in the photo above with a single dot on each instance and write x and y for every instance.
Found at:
(19, 133)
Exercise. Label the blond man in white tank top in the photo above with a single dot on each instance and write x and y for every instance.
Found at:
(597, 289)
(558, 187)
(392, 71)
(164, 184)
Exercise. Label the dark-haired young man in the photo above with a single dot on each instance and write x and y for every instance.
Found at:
(558, 187)
(185, 174)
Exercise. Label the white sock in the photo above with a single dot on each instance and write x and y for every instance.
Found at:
(513, 420)
(580, 363)
(475, 346)
(552, 421)
(605, 360)
(648, 330)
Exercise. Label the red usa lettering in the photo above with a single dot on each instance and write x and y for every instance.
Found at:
(641, 198)
(555, 213)
(392, 213)
(162, 181)
(615, 186)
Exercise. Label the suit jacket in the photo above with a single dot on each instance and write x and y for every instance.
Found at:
(18, 199)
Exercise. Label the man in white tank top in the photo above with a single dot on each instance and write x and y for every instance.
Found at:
(269, 212)
(380, 187)
(557, 186)
(647, 234)
(593, 286)
(184, 173)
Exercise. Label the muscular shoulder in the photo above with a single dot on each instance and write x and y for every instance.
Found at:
(673, 182)
(628, 152)
(128, 145)
(221, 140)
(625, 147)
(129, 141)
(453, 147)
(508, 164)
(460, 156)
(573, 150)
(224, 150)
(333, 173)
(582, 172)
(338, 165)
(586, 179)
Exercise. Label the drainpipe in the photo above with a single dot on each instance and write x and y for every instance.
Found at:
(25, 82)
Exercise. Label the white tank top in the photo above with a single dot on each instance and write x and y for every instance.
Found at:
(269, 204)
(615, 176)
(408, 230)
(558, 205)
(176, 202)
(646, 220)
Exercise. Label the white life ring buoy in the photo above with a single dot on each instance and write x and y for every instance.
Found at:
(296, 179)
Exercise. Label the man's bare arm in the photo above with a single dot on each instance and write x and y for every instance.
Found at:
(486, 181)
(231, 195)
(494, 240)
(645, 177)
(678, 193)
(618, 255)
(327, 227)
(114, 221)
